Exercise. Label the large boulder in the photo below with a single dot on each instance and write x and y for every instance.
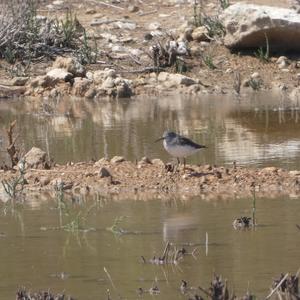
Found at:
(35, 157)
(80, 86)
(111, 84)
(101, 75)
(247, 26)
(200, 34)
(123, 88)
(59, 75)
(174, 80)
(71, 65)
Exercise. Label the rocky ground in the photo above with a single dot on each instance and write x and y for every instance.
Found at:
(125, 35)
(147, 179)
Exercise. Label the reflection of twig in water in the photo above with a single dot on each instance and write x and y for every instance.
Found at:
(237, 83)
(206, 243)
(193, 253)
(59, 195)
(110, 279)
(75, 222)
(254, 209)
(100, 201)
(165, 275)
(10, 207)
(115, 229)
(15, 186)
(171, 255)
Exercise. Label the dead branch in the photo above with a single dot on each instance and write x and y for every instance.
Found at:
(106, 4)
(277, 286)
(12, 150)
(146, 13)
(144, 70)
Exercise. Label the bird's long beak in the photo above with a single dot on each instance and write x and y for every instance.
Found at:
(162, 138)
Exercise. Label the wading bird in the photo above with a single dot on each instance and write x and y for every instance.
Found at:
(179, 146)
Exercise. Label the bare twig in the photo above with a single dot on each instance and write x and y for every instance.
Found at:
(107, 4)
(11, 149)
(277, 286)
(237, 82)
(135, 60)
(148, 13)
(204, 291)
(144, 70)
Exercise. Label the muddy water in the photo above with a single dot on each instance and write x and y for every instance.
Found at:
(75, 261)
(259, 130)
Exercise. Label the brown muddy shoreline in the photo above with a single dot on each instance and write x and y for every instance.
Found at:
(147, 179)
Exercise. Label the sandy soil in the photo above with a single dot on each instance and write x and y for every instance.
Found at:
(170, 16)
(149, 180)
(224, 60)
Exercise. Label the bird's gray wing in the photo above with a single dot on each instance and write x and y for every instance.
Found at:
(185, 141)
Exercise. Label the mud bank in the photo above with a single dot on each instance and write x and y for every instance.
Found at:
(154, 179)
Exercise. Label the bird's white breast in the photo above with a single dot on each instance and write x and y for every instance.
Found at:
(179, 150)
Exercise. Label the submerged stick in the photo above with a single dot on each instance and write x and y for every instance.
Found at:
(254, 209)
(204, 291)
(206, 243)
(277, 286)
(110, 279)
(165, 253)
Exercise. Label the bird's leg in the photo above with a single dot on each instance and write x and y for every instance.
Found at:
(184, 163)
(177, 166)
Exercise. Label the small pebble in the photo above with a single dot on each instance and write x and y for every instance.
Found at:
(90, 11)
(117, 159)
(255, 75)
(157, 162)
(145, 160)
(104, 173)
(44, 180)
(133, 8)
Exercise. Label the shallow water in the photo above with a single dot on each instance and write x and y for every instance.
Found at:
(257, 130)
(36, 258)
(260, 130)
